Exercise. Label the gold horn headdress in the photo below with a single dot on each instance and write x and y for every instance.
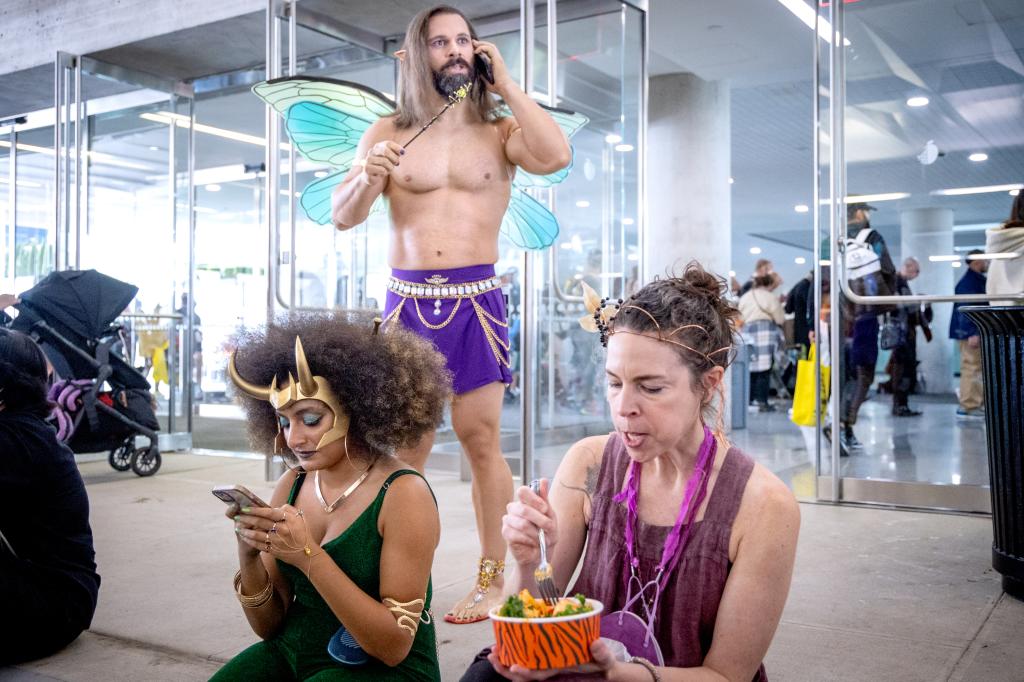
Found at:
(307, 387)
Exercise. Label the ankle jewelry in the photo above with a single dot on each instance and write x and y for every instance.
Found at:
(490, 570)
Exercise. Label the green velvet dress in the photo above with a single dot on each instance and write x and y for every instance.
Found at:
(299, 651)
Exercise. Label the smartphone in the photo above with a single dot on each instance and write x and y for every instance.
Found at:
(483, 67)
(237, 494)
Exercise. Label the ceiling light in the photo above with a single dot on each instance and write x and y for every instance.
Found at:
(22, 183)
(582, 203)
(956, 264)
(154, 148)
(943, 259)
(566, 245)
(623, 147)
(166, 117)
(799, 260)
(612, 138)
(801, 208)
(867, 198)
(320, 174)
(1014, 192)
(731, 181)
(985, 189)
(732, 273)
(805, 13)
(212, 187)
(978, 157)
(628, 221)
(633, 257)
(754, 250)
(824, 263)
(917, 101)
(1001, 255)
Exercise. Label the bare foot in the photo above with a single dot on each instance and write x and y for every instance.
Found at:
(475, 605)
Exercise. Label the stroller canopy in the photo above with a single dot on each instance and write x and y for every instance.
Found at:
(82, 301)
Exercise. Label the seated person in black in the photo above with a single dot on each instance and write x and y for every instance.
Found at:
(48, 579)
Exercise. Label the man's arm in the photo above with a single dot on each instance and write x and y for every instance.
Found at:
(534, 142)
(376, 158)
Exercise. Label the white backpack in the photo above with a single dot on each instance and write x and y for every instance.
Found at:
(861, 259)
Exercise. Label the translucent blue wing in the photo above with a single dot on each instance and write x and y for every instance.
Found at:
(527, 223)
(323, 134)
(349, 98)
(316, 198)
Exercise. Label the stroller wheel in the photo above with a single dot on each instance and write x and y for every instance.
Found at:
(120, 458)
(144, 462)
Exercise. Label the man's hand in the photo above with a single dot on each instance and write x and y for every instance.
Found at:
(7, 300)
(380, 162)
(502, 78)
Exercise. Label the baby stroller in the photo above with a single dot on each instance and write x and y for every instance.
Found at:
(105, 401)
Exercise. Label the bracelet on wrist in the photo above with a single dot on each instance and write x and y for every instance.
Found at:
(648, 665)
(256, 600)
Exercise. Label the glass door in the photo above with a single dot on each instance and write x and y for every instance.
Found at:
(920, 147)
(124, 208)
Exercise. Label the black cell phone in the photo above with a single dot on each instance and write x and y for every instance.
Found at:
(483, 67)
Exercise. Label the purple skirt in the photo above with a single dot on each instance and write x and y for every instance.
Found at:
(462, 312)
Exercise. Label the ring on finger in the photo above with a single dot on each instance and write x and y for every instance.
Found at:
(273, 529)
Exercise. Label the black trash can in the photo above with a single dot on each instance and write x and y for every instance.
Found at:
(1002, 356)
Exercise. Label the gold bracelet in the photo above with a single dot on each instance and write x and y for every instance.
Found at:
(256, 600)
(648, 665)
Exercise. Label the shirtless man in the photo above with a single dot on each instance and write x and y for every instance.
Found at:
(447, 196)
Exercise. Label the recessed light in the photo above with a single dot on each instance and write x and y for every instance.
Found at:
(754, 250)
(628, 221)
(212, 187)
(956, 264)
(612, 138)
(320, 174)
(154, 148)
(978, 157)
(917, 102)
(582, 203)
(1014, 192)
(731, 181)
(984, 189)
(801, 208)
(623, 147)
(799, 260)
(732, 273)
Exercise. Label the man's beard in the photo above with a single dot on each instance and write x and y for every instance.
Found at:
(447, 83)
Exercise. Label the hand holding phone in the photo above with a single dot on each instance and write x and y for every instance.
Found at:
(238, 494)
(483, 67)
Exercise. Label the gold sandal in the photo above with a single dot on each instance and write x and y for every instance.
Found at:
(489, 571)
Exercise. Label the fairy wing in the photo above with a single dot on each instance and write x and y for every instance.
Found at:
(527, 222)
(325, 118)
(349, 98)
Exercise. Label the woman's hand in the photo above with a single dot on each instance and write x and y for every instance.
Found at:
(502, 78)
(278, 531)
(603, 662)
(525, 515)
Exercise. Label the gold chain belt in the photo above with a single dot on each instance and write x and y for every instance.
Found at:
(442, 290)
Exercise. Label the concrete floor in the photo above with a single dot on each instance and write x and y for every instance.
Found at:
(877, 594)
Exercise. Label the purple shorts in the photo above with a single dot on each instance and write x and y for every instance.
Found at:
(462, 311)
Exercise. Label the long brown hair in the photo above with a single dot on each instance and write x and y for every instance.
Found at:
(416, 80)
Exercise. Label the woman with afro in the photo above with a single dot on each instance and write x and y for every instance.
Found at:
(334, 575)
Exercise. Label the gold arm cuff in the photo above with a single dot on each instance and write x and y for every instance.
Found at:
(256, 600)
(408, 619)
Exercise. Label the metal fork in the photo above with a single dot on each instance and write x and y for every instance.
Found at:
(542, 574)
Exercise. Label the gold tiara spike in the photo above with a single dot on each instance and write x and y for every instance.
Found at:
(307, 387)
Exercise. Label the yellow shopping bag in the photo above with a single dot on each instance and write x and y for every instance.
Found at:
(803, 395)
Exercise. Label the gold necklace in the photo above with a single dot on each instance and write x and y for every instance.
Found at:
(328, 508)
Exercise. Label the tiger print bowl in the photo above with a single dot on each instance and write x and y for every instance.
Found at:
(546, 643)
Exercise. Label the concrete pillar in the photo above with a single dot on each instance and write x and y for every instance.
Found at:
(689, 214)
(689, 211)
(929, 232)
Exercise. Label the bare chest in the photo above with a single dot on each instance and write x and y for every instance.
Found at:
(471, 161)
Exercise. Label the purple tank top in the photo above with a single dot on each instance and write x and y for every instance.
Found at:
(689, 603)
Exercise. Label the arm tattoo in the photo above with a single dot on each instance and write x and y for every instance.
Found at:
(589, 485)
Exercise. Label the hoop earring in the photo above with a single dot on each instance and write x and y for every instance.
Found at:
(349, 458)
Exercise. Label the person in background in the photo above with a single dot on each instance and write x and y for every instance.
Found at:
(800, 303)
(963, 330)
(762, 316)
(762, 268)
(48, 578)
(903, 361)
(1006, 275)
